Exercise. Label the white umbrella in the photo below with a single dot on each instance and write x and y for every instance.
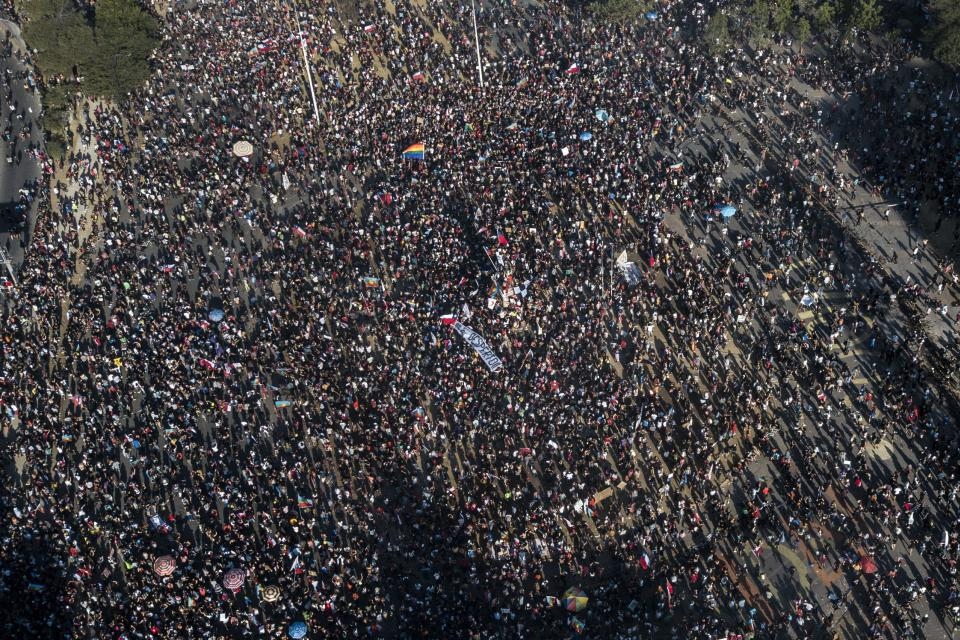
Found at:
(243, 149)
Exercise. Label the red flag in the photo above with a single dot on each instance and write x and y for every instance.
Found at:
(644, 562)
(573, 70)
(501, 239)
(206, 364)
(448, 319)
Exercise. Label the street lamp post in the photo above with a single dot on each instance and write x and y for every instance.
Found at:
(476, 39)
(306, 63)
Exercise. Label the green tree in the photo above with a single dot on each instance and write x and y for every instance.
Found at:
(825, 16)
(758, 16)
(618, 10)
(801, 29)
(717, 33)
(126, 35)
(63, 40)
(867, 15)
(109, 47)
(781, 14)
(944, 35)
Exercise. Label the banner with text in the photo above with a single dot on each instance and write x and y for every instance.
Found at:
(479, 345)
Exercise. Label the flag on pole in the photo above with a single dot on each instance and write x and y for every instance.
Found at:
(304, 503)
(448, 319)
(644, 561)
(414, 152)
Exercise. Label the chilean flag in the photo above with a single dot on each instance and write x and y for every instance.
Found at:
(644, 561)
(501, 238)
(206, 364)
(448, 319)
(573, 70)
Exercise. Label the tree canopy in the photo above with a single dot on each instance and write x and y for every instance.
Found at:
(945, 34)
(109, 47)
(717, 33)
(618, 9)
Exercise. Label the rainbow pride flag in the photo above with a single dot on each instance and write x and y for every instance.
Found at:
(413, 152)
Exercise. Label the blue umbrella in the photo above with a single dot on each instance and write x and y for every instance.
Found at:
(586, 135)
(216, 315)
(725, 210)
(297, 630)
(602, 115)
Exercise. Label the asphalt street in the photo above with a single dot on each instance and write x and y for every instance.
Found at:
(21, 108)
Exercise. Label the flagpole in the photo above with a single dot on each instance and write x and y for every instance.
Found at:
(492, 263)
(476, 38)
(306, 64)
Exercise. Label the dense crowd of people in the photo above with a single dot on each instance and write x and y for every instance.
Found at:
(249, 409)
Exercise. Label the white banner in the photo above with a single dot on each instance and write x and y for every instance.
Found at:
(479, 345)
(629, 270)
